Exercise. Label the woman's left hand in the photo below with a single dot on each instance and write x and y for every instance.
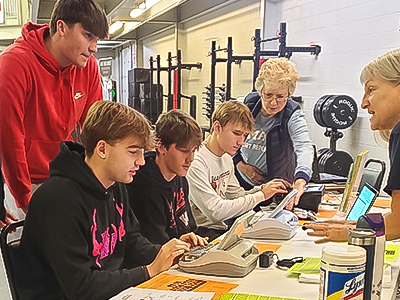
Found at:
(330, 230)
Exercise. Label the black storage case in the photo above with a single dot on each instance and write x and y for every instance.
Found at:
(312, 197)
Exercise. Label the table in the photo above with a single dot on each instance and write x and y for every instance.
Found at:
(275, 282)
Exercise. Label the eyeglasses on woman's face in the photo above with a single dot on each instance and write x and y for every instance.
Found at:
(270, 97)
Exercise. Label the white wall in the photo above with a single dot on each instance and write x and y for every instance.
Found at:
(238, 20)
(351, 33)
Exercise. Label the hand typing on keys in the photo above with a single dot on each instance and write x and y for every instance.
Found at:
(197, 252)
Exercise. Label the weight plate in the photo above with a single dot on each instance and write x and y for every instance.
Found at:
(321, 151)
(322, 160)
(339, 112)
(318, 108)
(338, 163)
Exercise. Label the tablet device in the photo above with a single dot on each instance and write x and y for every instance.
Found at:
(283, 203)
(363, 203)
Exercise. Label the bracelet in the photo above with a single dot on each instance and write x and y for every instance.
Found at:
(146, 273)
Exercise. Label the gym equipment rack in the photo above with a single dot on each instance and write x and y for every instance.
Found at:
(174, 97)
(283, 51)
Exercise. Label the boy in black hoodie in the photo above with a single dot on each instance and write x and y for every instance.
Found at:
(81, 240)
(159, 193)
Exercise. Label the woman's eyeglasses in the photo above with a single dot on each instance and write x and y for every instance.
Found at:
(271, 97)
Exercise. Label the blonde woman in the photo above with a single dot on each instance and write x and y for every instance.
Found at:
(381, 80)
(280, 146)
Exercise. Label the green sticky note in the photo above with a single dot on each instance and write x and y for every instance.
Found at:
(239, 296)
(310, 265)
(391, 252)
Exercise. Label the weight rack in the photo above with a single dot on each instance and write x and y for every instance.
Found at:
(222, 98)
(174, 97)
(283, 51)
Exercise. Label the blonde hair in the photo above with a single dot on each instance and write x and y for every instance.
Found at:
(113, 122)
(234, 112)
(277, 71)
(386, 67)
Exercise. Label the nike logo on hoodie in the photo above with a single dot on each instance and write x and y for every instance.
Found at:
(78, 95)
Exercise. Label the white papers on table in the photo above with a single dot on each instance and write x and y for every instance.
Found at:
(152, 294)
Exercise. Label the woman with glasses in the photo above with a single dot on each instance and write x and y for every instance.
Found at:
(280, 146)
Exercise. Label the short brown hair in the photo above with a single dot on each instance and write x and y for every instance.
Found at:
(178, 127)
(234, 112)
(87, 12)
(113, 122)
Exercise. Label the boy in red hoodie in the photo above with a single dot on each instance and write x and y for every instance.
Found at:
(48, 80)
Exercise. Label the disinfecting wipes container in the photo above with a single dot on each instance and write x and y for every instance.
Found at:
(342, 272)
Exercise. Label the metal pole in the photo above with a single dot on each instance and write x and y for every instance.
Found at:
(178, 77)
(257, 50)
(151, 87)
(212, 84)
(282, 40)
(229, 69)
(159, 95)
(170, 104)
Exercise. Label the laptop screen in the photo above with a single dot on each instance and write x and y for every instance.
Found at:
(363, 203)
